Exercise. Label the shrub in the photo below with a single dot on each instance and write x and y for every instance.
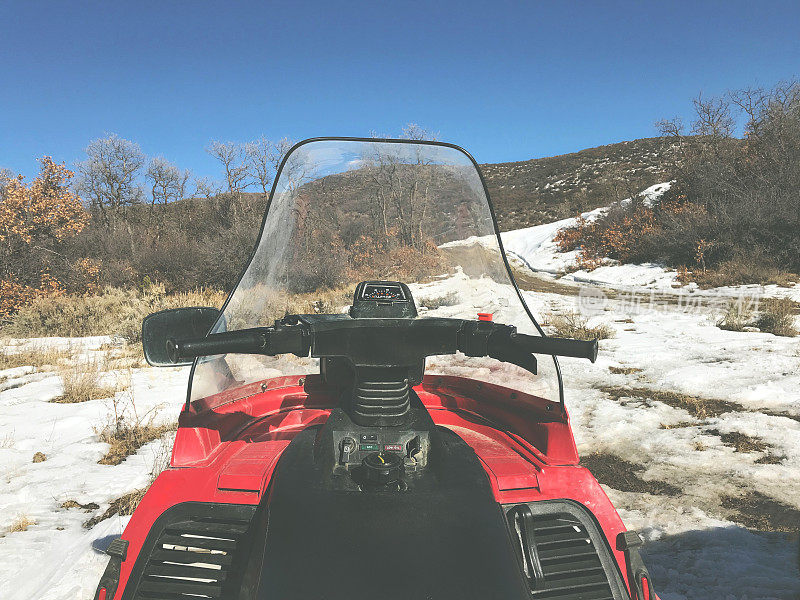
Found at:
(112, 311)
(737, 316)
(734, 214)
(126, 439)
(741, 270)
(449, 299)
(36, 221)
(776, 316)
(82, 382)
(32, 357)
(573, 325)
(21, 523)
(125, 430)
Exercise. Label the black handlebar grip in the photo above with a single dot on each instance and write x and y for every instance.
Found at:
(245, 341)
(558, 346)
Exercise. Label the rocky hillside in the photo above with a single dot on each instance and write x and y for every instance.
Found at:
(541, 190)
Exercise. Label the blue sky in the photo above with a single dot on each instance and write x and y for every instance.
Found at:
(508, 81)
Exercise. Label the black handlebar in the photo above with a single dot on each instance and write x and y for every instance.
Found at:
(327, 335)
(558, 346)
(244, 341)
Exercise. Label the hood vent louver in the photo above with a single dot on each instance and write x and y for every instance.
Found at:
(198, 552)
(562, 555)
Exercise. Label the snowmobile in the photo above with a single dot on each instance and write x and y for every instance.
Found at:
(412, 444)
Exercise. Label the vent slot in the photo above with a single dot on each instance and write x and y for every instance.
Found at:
(197, 555)
(559, 556)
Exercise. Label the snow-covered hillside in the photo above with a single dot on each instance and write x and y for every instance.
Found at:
(534, 248)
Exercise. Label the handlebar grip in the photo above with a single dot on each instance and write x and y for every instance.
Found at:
(558, 346)
(245, 341)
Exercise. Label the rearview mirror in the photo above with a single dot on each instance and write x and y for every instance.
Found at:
(178, 323)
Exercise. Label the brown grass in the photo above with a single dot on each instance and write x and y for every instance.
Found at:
(741, 272)
(622, 475)
(449, 299)
(111, 311)
(32, 357)
(776, 316)
(696, 406)
(736, 317)
(73, 504)
(123, 506)
(39, 457)
(573, 325)
(21, 523)
(128, 438)
(624, 370)
(81, 381)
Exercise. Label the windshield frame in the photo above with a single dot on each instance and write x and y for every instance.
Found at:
(495, 227)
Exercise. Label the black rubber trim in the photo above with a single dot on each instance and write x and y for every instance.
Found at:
(392, 141)
(181, 512)
(630, 542)
(593, 528)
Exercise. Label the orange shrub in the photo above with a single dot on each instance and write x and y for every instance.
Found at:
(35, 220)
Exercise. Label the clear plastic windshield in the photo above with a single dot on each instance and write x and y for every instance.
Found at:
(345, 211)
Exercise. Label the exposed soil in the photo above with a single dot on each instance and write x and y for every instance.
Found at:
(741, 442)
(622, 475)
(757, 511)
(74, 504)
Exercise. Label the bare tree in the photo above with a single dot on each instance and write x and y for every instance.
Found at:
(205, 187)
(232, 157)
(263, 159)
(713, 117)
(750, 100)
(168, 182)
(109, 177)
(412, 131)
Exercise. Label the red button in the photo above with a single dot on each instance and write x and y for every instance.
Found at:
(485, 316)
(393, 448)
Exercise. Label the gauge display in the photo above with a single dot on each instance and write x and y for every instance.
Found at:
(373, 291)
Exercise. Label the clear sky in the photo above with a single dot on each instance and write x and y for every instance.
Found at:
(508, 81)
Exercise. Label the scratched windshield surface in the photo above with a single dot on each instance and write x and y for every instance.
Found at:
(345, 211)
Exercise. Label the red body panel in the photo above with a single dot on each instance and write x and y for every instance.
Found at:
(227, 454)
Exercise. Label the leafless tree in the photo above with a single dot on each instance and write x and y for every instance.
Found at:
(412, 131)
(205, 187)
(263, 159)
(168, 182)
(751, 101)
(109, 177)
(713, 117)
(232, 157)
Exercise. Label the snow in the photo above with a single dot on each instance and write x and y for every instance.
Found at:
(54, 559)
(694, 551)
(534, 248)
